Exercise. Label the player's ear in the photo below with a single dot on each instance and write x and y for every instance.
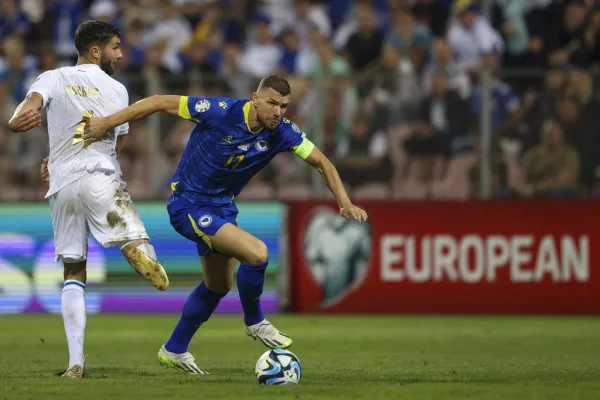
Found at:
(95, 52)
(254, 98)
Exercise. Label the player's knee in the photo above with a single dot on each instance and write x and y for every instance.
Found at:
(259, 254)
(74, 268)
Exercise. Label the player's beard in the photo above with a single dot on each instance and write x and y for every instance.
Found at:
(107, 66)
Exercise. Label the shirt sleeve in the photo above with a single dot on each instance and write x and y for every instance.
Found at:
(44, 85)
(199, 109)
(123, 129)
(295, 139)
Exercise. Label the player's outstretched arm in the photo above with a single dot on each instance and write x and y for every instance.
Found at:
(332, 178)
(27, 115)
(97, 127)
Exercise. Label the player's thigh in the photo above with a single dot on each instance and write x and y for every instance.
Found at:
(110, 212)
(238, 243)
(69, 224)
(218, 271)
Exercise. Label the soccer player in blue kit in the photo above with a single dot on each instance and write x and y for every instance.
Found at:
(232, 141)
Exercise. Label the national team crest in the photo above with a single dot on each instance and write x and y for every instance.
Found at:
(205, 221)
(262, 145)
(202, 105)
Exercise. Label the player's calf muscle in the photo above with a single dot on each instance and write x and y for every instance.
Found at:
(218, 272)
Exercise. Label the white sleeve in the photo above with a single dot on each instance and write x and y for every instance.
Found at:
(44, 85)
(124, 129)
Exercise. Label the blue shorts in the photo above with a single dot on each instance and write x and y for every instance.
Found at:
(199, 221)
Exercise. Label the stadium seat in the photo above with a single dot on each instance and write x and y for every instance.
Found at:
(409, 190)
(456, 184)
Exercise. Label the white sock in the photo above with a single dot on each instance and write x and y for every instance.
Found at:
(73, 312)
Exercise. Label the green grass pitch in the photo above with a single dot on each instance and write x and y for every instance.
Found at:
(342, 357)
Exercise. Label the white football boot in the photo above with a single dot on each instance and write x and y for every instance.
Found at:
(269, 335)
(184, 362)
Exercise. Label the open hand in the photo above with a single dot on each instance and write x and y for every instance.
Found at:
(354, 212)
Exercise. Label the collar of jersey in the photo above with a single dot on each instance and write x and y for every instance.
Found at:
(86, 65)
(246, 110)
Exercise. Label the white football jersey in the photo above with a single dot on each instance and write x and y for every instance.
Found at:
(70, 95)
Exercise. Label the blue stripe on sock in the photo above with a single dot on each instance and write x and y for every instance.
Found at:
(76, 283)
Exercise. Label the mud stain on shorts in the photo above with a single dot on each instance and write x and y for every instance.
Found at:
(114, 219)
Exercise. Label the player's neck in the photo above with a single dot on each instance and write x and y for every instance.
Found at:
(253, 122)
(83, 60)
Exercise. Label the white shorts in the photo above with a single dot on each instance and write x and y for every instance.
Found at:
(97, 203)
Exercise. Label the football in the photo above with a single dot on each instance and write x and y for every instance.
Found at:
(278, 367)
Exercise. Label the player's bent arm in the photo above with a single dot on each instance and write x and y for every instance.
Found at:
(144, 108)
(97, 127)
(27, 115)
(330, 174)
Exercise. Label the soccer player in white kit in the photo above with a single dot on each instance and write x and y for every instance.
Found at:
(87, 191)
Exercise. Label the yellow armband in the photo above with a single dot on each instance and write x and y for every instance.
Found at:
(304, 149)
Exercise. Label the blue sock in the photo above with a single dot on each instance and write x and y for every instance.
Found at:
(250, 282)
(198, 307)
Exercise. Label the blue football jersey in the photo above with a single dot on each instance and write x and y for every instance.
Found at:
(223, 154)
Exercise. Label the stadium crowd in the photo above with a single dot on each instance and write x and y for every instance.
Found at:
(391, 90)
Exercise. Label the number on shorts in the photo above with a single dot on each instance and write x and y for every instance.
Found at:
(239, 157)
(78, 138)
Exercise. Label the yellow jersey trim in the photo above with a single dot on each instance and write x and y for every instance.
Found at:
(184, 111)
(246, 110)
(174, 186)
(202, 235)
(304, 149)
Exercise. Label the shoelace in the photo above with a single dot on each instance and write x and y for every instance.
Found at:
(266, 329)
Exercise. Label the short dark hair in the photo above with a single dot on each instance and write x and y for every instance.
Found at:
(276, 82)
(93, 32)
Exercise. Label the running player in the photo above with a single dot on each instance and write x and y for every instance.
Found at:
(87, 191)
(231, 142)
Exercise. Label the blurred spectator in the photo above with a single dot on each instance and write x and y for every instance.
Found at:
(364, 46)
(19, 68)
(362, 155)
(551, 168)
(66, 17)
(13, 21)
(440, 130)
(301, 17)
(174, 31)
(392, 90)
(505, 102)
(539, 107)
(412, 39)
(432, 13)
(471, 36)
(575, 40)
(288, 63)
(261, 55)
(443, 59)
(583, 135)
